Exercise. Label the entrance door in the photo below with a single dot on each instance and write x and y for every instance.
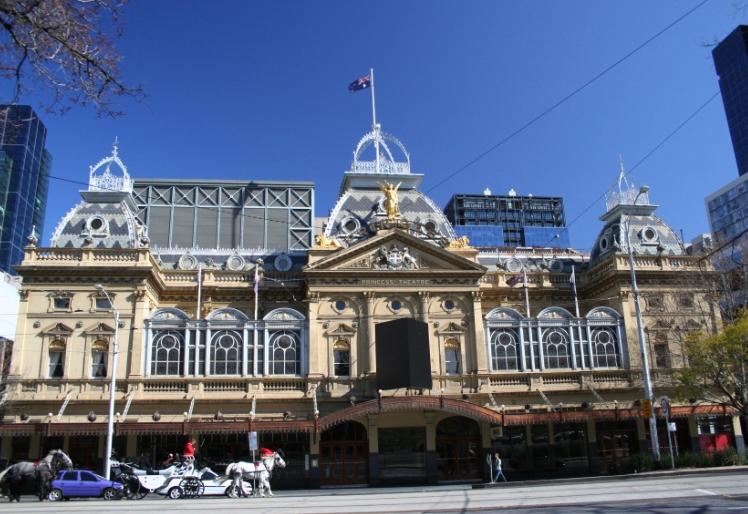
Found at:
(615, 446)
(344, 455)
(458, 446)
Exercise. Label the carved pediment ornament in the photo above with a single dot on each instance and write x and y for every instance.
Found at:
(394, 258)
(326, 243)
(342, 330)
(452, 328)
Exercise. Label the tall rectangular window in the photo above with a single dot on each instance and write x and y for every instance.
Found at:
(56, 363)
(98, 364)
(452, 361)
(342, 363)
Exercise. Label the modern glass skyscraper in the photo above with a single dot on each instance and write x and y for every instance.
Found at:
(509, 220)
(22, 139)
(731, 63)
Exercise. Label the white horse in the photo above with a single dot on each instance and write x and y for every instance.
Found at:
(260, 471)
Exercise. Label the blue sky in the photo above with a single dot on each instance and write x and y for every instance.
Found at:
(257, 90)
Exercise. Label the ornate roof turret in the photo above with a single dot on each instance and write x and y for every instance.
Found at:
(106, 217)
(630, 213)
(383, 193)
(106, 180)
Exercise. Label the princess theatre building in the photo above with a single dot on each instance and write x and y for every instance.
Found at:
(237, 314)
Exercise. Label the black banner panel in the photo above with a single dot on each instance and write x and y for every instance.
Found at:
(403, 359)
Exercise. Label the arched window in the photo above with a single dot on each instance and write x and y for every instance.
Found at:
(452, 357)
(605, 347)
(167, 353)
(56, 359)
(99, 354)
(341, 359)
(556, 347)
(225, 352)
(504, 344)
(284, 353)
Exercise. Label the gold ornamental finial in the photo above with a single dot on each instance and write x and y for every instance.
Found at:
(391, 203)
(460, 242)
(327, 243)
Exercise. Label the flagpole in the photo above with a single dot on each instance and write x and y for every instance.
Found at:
(374, 125)
(579, 324)
(527, 293)
(257, 284)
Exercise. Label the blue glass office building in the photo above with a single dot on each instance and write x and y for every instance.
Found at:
(22, 140)
(731, 63)
(509, 220)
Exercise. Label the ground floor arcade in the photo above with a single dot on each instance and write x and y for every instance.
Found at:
(395, 441)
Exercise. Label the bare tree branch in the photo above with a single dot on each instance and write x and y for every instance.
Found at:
(64, 47)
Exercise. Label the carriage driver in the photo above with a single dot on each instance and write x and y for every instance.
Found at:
(188, 454)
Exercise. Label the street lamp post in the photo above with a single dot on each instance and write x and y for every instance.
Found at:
(112, 386)
(642, 341)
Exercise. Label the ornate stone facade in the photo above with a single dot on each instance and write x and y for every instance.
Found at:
(508, 348)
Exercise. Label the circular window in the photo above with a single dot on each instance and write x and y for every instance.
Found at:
(396, 305)
(235, 263)
(449, 305)
(97, 223)
(350, 225)
(430, 227)
(649, 233)
(187, 261)
(603, 243)
(283, 262)
(340, 305)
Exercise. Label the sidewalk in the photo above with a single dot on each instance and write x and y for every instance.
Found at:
(337, 491)
(605, 478)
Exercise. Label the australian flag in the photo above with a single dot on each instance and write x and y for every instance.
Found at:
(360, 83)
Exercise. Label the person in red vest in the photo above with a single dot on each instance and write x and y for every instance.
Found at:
(189, 450)
(265, 453)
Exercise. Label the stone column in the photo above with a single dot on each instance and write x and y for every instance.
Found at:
(479, 336)
(372, 430)
(432, 471)
(737, 431)
(529, 457)
(593, 454)
(35, 446)
(693, 432)
(132, 338)
(131, 448)
(641, 435)
(313, 471)
(371, 343)
(314, 335)
(5, 445)
(486, 449)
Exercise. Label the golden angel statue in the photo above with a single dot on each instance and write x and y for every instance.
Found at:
(391, 203)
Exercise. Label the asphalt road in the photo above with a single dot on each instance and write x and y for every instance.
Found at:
(695, 493)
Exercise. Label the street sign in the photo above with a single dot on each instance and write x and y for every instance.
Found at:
(671, 426)
(252, 441)
(646, 408)
(665, 405)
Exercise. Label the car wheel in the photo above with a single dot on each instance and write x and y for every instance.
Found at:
(55, 495)
(110, 494)
(175, 493)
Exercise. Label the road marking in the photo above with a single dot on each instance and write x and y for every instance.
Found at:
(704, 491)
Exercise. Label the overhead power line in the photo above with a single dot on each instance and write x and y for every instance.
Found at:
(566, 98)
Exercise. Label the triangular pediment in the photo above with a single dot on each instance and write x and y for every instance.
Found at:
(342, 330)
(394, 251)
(451, 328)
(99, 329)
(58, 329)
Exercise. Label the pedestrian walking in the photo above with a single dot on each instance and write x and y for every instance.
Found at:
(498, 471)
(188, 453)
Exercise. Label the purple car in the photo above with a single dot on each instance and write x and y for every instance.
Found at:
(80, 483)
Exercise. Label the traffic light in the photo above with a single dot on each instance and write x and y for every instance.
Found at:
(646, 408)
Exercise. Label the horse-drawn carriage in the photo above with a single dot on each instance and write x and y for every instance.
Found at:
(184, 480)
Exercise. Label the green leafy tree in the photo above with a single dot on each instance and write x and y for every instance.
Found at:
(717, 366)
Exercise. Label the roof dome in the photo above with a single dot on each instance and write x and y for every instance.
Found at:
(106, 216)
(630, 218)
(361, 203)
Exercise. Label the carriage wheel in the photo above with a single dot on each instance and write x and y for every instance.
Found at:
(192, 487)
(55, 495)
